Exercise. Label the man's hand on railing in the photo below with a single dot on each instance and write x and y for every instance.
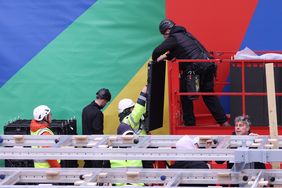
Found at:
(162, 57)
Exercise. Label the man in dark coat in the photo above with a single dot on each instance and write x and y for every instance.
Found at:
(181, 44)
(93, 120)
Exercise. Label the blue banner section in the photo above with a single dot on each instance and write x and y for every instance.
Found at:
(27, 26)
(264, 32)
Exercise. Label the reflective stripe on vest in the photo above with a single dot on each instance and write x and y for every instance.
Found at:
(138, 130)
(41, 163)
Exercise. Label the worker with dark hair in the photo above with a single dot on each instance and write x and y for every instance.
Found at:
(181, 44)
(93, 120)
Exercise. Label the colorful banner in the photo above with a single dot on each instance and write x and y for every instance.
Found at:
(59, 53)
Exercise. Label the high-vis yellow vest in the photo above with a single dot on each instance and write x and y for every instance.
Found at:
(133, 119)
(127, 164)
(41, 163)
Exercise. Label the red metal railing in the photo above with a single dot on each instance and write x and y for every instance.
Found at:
(175, 110)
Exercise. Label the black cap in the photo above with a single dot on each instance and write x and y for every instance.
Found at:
(165, 25)
(103, 93)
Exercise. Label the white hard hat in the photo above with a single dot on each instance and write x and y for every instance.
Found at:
(40, 112)
(124, 104)
(186, 142)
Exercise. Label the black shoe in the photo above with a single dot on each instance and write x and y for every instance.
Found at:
(189, 124)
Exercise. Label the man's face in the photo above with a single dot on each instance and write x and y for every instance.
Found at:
(103, 103)
(49, 118)
(166, 34)
(241, 128)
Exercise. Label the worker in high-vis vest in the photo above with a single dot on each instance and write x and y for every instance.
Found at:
(40, 125)
(125, 129)
(133, 113)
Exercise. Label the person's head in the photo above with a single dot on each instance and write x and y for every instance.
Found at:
(103, 96)
(42, 113)
(125, 107)
(242, 125)
(186, 142)
(165, 27)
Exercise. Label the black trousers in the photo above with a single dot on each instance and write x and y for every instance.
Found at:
(212, 102)
(93, 164)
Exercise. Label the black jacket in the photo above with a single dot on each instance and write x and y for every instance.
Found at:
(92, 119)
(93, 123)
(181, 45)
(190, 164)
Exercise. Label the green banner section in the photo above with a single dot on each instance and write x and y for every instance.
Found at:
(104, 47)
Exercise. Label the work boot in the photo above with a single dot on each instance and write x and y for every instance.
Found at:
(189, 124)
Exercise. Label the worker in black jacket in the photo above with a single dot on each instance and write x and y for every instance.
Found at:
(181, 44)
(93, 120)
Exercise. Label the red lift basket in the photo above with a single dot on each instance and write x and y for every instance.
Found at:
(206, 125)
